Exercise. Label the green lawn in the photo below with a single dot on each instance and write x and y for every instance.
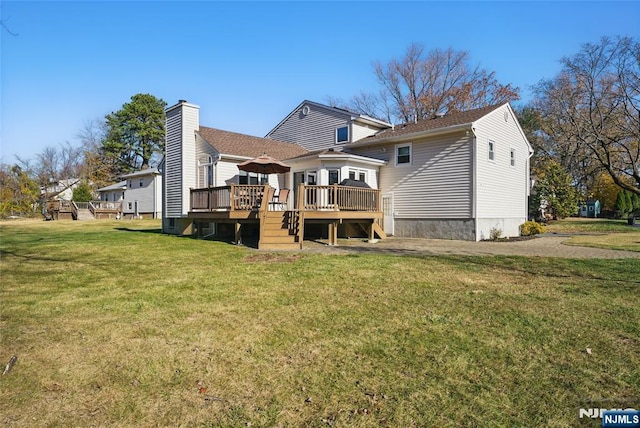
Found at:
(115, 324)
(599, 233)
(589, 225)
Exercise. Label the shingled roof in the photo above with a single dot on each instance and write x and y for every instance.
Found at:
(232, 143)
(442, 122)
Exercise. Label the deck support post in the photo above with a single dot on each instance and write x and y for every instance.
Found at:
(333, 233)
(238, 235)
(372, 233)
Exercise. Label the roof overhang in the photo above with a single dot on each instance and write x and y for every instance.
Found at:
(413, 136)
(339, 156)
(368, 120)
(230, 157)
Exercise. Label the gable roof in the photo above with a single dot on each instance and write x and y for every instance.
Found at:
(357, 117)
(242, 145)
(117, 186)
(452, 120)
(142, 172)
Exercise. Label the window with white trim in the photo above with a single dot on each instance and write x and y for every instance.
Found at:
(141, 182)
(513, 157)
(342, 135)
(403, 154)
(334, 176)
(492, 148)
(358, 174)
(252, 178)
(205, 171)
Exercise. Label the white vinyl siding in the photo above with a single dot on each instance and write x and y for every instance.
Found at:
(437, 184)
(148, 196)
(501, 188)
(359, 131)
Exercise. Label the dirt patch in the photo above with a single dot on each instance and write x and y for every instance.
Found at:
(272, 258)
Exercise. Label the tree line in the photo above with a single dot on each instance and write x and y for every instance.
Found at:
(583, 123)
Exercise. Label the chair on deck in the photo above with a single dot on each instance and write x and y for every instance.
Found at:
(280, 202)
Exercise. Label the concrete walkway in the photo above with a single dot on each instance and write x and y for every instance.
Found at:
(548, 245)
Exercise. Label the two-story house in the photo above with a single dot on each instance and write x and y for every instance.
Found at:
(457, 176)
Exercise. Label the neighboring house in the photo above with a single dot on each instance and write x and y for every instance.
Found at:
(60, 190)
(143, 194)
(112, 193)
(591, 208)
(458, 176)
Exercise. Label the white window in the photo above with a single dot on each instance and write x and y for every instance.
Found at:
(342, 135)
(129, 182)
(491, 150)
(141, 182)
(403, 154)
(334, 176)
(358, 174)
(252, 178)
(205, 171)
(513, 157)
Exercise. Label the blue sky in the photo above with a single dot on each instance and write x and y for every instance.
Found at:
(248, 64)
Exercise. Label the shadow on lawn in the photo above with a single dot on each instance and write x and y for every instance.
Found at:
(129, 229)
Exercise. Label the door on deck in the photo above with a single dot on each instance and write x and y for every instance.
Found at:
(387, 211)
(309, 178)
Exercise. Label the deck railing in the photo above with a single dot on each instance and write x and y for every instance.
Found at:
(238, 197)
(95, 206)
(338, 198)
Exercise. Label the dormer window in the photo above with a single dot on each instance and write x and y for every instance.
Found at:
(342, 135)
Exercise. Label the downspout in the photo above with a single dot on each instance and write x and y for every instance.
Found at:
(474, 181)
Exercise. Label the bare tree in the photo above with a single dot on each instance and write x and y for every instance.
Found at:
(423, 84)
(57, 168)
(99, 168)
(590, 112)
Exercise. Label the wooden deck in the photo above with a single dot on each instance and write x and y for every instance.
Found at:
(69, 210)
(330, 205)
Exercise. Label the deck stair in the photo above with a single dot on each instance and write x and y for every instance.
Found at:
(278, 231)
(84, 214)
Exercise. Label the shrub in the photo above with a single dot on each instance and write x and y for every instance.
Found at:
(495, 234)
(530, 228)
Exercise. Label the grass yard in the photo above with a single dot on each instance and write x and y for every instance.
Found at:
(589, 225)
(115, 324)
(599, 233)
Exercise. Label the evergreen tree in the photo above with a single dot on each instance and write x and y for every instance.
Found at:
(82, 192)
(621, 206)
(136, 132)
